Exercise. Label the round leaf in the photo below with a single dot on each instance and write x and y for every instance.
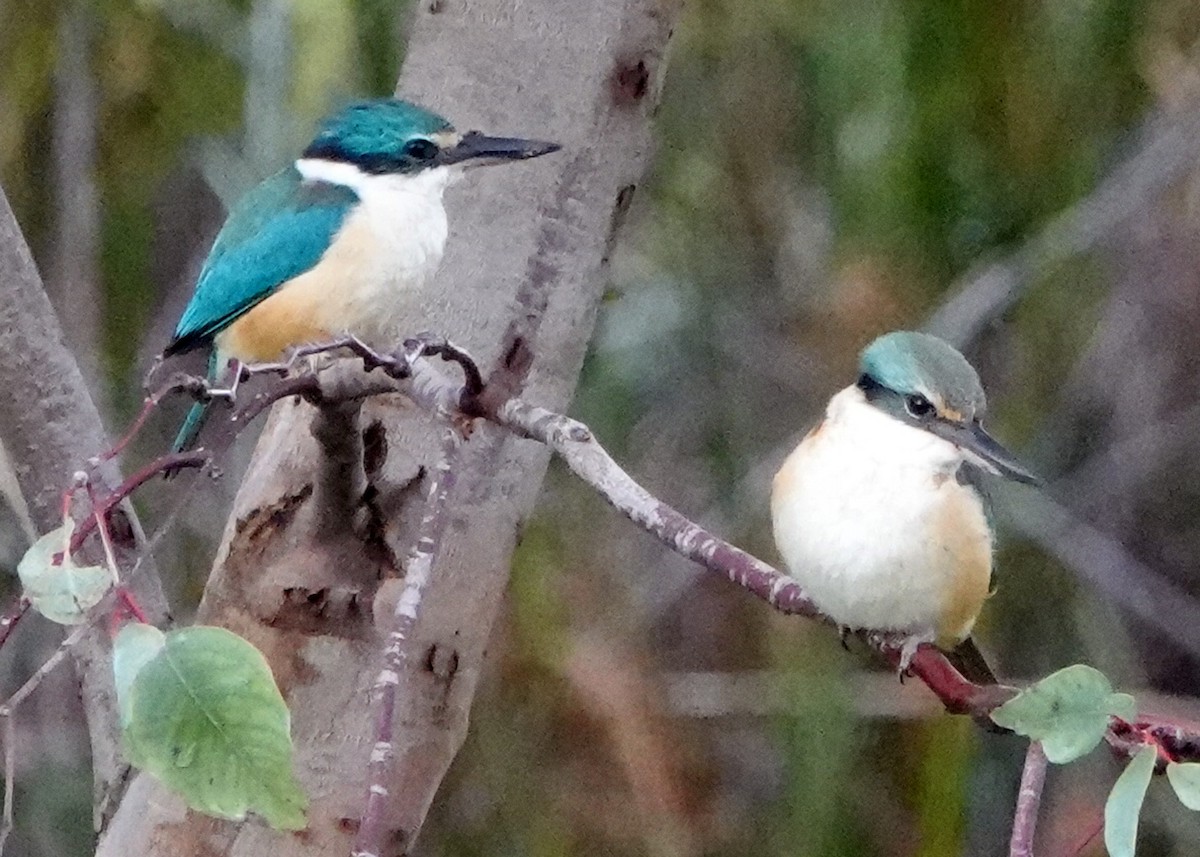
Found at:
(65, 592)
(1185, 779)
(205, 717)
(1067, 711)
(136, 645)
(1125, 803)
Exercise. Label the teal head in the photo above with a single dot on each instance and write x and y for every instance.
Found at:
(925, 383)
(390, 136)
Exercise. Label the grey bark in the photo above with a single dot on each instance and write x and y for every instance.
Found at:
(50, 427)
(519, 287)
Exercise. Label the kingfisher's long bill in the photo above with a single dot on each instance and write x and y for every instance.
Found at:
(972, 438)
(879, 512)
(483, 150)
(342, 241)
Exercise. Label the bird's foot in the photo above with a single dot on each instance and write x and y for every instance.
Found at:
(909, 651)
(229, 394)
(432, 344)
(844, 632)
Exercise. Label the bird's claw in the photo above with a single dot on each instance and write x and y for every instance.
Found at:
(844, 632)
(909, 651)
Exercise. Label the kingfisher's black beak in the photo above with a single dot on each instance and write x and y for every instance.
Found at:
(972, 438)
(482, 149)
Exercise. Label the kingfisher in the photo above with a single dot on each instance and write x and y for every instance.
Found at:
(879, 513)
(342, 241)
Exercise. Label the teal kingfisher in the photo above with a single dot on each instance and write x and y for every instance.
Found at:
(878, 513)
(340, 242)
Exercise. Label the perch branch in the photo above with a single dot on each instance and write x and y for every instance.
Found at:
(409, 371)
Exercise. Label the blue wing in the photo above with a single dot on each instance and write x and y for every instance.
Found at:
(275, 232)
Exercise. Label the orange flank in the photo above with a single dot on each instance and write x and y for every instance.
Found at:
(962, 532)
(286, 319)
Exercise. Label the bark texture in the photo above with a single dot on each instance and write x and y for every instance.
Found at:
(519, 287)
(50, 427)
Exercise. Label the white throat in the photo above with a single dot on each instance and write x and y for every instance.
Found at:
(388, 247)
(869, 432)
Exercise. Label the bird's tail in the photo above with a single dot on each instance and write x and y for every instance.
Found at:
(191, 427)
(197, 415)
(968, 660)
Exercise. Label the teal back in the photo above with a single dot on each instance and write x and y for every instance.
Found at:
(277, 231)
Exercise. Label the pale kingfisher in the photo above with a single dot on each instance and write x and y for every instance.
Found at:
(879, 514)
(340, 242)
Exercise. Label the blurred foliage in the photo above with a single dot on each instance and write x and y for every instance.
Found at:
(825, 172)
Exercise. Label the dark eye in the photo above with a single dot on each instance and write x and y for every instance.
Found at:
(918, 405)
(421, 150)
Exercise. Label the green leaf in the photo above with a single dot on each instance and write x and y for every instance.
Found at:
(1125, 803)
(1067, 711)
(1185, 779)
(203, 714)
(136, 645)
(63, 593)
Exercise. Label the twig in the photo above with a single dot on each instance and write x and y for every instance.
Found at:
(369, 841)
(100, 517)
(1169, 150)
(167, 463)
(10, 618)
(574, 442)
(588, 460)
(1029, 800)
(10, 778)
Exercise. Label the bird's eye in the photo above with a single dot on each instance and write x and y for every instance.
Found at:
(420, 149)
(919, 406)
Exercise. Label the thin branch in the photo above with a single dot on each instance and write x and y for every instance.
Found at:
(169, 463)
(1029, 800)
(10, 618)
(10, 778)
(397, 652)
(1169, 151)
(574, 442)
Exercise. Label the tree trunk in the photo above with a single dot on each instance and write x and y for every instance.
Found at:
(522, 278)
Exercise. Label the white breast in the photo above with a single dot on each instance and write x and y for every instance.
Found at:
(860, 512)
(377, 267)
